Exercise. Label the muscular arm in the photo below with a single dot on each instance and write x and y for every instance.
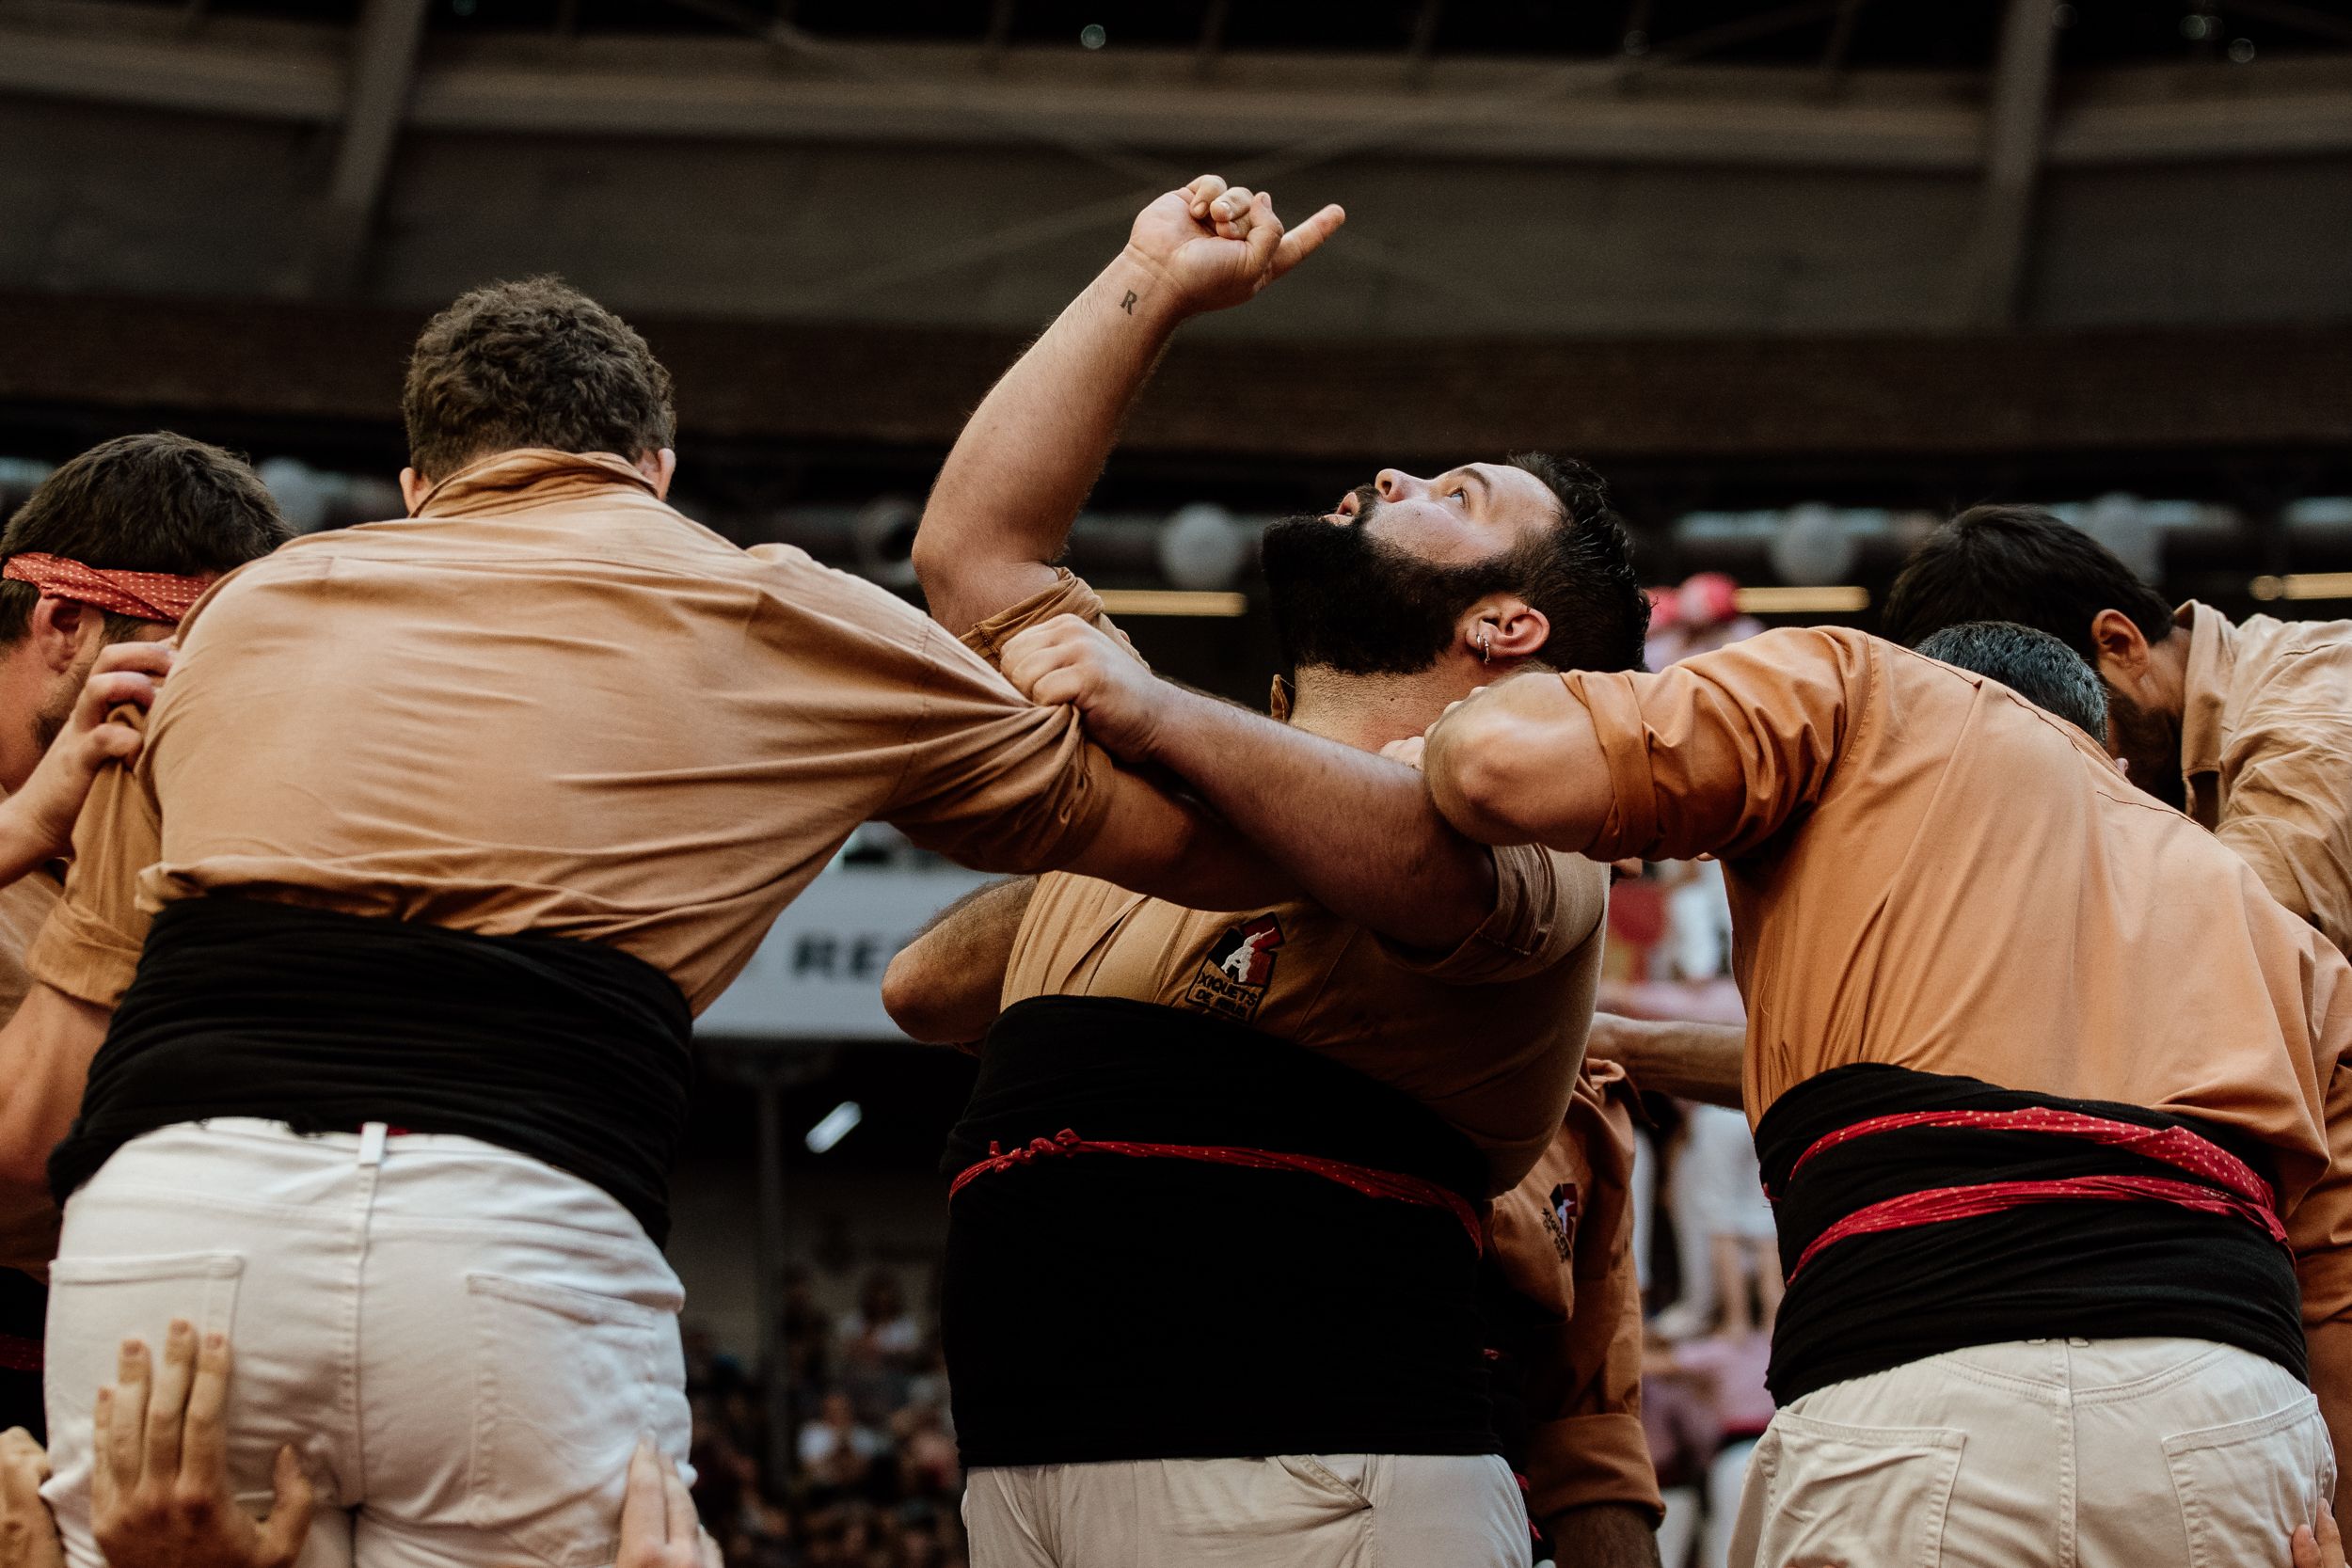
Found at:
(1356, 830)
(1011, 488)
(46, 1052)
(1604, 1535)
(944, 986)
(1694, 1061)
(1521, 763)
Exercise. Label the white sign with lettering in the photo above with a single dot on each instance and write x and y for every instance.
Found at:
(819, 974)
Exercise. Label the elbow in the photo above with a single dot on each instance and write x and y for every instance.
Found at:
(1474, 777)
(929, 556)
(917, 1006)
(906, 998)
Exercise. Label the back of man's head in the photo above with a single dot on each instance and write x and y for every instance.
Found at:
(2034, 665)
(1581, 575)
(159, 503)
(535, 363)
(2018, 563)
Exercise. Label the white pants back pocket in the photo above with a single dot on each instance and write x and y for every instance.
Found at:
(566, 1380)
(2244, 1487)
(1823, 1492)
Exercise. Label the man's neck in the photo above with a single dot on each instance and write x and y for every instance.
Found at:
(1369, 711)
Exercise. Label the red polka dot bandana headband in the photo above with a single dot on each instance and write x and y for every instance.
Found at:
(157, 596)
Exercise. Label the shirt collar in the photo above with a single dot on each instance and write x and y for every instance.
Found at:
(527, 476)
(2212, 654)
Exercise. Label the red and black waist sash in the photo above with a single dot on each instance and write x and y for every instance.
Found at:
(1921, 1212)
(1171, 1237)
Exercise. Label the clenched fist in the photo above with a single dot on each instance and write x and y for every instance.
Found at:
(1217, 245)
(1066, 660)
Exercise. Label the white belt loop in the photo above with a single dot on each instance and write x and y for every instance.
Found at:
(371, 1143)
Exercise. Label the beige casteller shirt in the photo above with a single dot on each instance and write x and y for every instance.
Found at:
(2267, 754)
(1488, 1036)
(1928, 871)
(549, 702)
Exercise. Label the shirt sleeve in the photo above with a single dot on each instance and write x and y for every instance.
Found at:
(2319, 1227)
(1714, 754)
(1588, 1446)
(89, 948)
(2287, 779)
(1547, 906)
(991, 779)
(1070, 595)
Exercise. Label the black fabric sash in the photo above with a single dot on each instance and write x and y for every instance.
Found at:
(2075, 1267)
(1098, 1307)
(573, 1053)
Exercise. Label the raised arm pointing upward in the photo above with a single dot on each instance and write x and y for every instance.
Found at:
(1012, 488)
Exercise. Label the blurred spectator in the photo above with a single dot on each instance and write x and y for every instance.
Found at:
(835, 1451)
(882, 1348)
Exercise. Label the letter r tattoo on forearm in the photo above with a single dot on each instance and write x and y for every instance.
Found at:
(1128, 303)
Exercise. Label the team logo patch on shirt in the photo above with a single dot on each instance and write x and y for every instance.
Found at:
(1232, 980)
(1561, 1218)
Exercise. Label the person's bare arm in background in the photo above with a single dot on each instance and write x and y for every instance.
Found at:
(1001, 509)
(944, 988)
(1688, 1060)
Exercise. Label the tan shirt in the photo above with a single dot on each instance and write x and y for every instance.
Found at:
(2267, 754)
(1563, 1241)
(551, 702)
(1927, 870)
(1488, 1036)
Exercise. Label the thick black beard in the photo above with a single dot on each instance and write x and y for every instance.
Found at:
(1348, 602)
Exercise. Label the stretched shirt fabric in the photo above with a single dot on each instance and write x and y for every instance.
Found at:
(1567, 1297)
(2267, 754)
(1924, 870)
(550, 703)
(1488, 1036)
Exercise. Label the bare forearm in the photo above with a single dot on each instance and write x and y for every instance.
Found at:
(1357, 830)
(1003, 505)
(1603, 1535)
(1161, 845)
(944, 988)
(1693, 1061)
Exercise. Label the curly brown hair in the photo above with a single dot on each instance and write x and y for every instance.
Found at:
(534, 363)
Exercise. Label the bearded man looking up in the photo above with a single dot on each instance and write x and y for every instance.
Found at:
(1312, 1099)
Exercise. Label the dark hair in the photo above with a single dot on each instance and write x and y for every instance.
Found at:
(531, 364)
(2018, 563)
(2034, 665)
(1581, 576)
(158, 502)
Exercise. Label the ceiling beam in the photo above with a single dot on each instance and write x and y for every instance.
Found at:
(383, 69)
(2016, 132)
(731, 90)
(2160, 392)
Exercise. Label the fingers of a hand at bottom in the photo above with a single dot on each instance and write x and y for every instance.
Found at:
(2306, 1547)
(204, 1441)
(155, 659)
(131, 1376)
(167, 1405)
(23, 1467)
(1204, 189)
(101, 1470)
(644, 1512)
(685, 1523)
(289, 1523)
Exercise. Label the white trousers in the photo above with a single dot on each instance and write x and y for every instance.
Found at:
(464, 1343)
(1294, 1511)
(2110, 1453)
